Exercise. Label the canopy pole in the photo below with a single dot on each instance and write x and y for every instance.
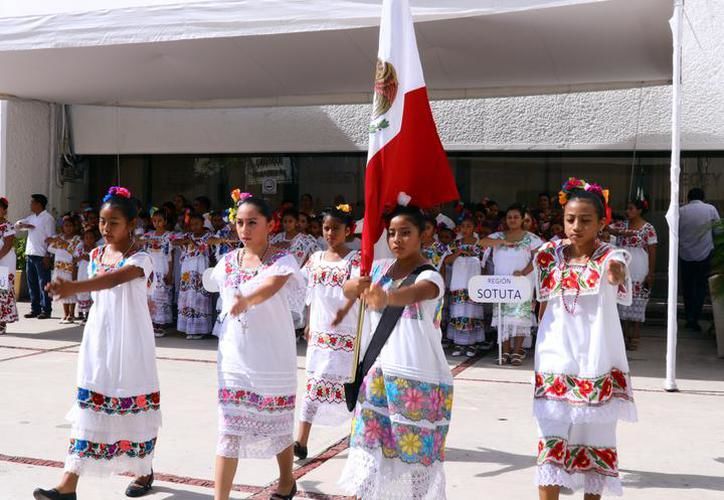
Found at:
(672, 216)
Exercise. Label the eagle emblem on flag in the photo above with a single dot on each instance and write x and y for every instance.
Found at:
(386, 85)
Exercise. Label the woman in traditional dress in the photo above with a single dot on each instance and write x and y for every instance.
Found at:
(637, 236)
(260, 285)
(116, 417)
(194, 303)
(401, 419)
(8, 308)
(158, 244)
(332, 328)
(514, 260)
(582, 382)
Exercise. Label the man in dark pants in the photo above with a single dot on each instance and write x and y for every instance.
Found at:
(40, 226)
(696, 244)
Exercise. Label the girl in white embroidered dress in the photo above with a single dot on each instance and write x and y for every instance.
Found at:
(84, 299)
(66, 249)
(582, 384)
(159, 247)
(331, 330)
(515, 260)
(116, 417)
(638, 237)
(8, 308)
(260, 285)
(402, 416)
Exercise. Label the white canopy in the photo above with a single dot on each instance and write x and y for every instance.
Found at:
(227, 53)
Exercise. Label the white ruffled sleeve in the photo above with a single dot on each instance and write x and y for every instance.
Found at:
(435, 278)
(141, 260)
(295, 287)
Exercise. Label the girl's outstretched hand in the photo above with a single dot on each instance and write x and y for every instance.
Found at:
(60, 288)
(616, 272)
(376, 298)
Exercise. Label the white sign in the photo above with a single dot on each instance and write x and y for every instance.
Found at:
(4, 284)
(500, 289)
(269, 186)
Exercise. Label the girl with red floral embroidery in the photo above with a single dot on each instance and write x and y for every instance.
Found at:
(582, 383)
(66, 249)
(116, 416)
(331, 330)
(637, 236)
(260, 286)
(8, 309)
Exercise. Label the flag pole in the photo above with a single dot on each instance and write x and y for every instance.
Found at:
(358, 339)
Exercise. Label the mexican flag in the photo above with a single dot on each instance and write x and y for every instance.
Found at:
(405, 153)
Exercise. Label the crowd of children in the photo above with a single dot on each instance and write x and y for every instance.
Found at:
(282, 271)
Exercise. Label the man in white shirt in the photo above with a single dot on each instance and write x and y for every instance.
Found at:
(696, 244)
(40, 226)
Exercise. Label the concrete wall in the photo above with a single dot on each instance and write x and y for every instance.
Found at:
(610, 120)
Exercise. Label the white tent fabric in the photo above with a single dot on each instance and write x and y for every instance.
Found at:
(224, 53)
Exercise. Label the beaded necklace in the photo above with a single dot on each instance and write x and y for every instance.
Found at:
(564, 267)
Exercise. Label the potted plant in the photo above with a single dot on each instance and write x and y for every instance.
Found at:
(716, 285)
(21, 285)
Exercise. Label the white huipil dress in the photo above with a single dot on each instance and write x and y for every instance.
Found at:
(582, 381)
(257, 359)
(466, 323)
(84, 299)
(65, 252)
(160, 249)
(638, 246)
(330, 352)
(397, 445)
(194, 302)
(8, 308)
(518, 319)
(116, 416)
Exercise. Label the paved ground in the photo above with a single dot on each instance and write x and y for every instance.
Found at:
(676, 451)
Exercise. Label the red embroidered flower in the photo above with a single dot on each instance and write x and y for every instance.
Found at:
(592, 278)
(544, 259)
(608, 455)
(124, 445)
(581, 460)
(619, 378)
(538, 380)
(558, 388)
(558, 451)
(141, 401)
(155, 398)
(98, 399)
(571, 281)
(548, 282)
(540, 447)
(585, 387)
(606, 389)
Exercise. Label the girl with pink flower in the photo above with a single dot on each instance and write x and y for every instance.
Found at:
(582, 384)
(116, 416)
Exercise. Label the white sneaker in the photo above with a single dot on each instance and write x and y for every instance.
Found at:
(194, 337)
(159, 333)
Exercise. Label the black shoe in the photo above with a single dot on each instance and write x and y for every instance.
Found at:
(300, 451)
(43, 316)
(290, 496)
(136, 490)
(40, 494)
(31, 315)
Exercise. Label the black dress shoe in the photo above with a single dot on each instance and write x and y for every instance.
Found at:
(290, 496)
(31, 315)
(43, 316)
(300, 451)
(136, 490)
(41, 494)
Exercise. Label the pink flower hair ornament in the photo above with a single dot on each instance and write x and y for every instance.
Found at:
(118, 191)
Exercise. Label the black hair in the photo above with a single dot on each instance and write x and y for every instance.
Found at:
(467, 217)
(338, 215)
(307, 195)
(4, 203)
(696, 194)
(592, 197)
(124, 205)
(480, 207)
(491, 203)
(642, 205)
(411, 213)
(516, 207)
(291, 212)
(40, 198)
(260, 204)
(543, 193)
(203, 200)
(429, 219)
(305, 214)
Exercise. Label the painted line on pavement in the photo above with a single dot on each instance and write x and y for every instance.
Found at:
(38, 352)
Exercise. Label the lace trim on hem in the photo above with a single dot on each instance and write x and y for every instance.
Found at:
(101, 468)
(615, 409)
(590, 482)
